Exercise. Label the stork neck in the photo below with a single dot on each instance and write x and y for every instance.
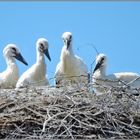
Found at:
(40, 57)
(69, 49)
(100, 72)
(10, 61)
(66, 52)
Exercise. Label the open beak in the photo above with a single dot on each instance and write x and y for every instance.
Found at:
(98, 65)
(20, 58)
(46, 52)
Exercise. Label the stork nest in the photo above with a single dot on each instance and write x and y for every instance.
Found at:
(69, 113)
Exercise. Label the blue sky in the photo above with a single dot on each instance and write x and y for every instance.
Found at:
(112, 27)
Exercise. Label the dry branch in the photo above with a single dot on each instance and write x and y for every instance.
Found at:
(69, 112)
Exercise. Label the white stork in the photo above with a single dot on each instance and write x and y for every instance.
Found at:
(71, 68)
(9, 77)
(101, 80)
(36, 74)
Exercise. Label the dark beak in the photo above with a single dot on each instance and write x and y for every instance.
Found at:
(98, 65)
(46, 52)
(20, 58)
(68, 43)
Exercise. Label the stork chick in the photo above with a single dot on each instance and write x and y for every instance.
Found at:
(71, 67)
(9, 77)
(36, 74)
(101, 80)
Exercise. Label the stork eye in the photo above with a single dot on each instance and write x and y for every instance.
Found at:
(14, 49)
(103, 59)
(70, 37)
(41, 46)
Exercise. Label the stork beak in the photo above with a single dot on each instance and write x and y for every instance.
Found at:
(46, 52)
(68, 43)
(98, 65)
(20, 58)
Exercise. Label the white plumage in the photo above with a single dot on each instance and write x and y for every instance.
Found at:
(9, 77)
(36, 74)
(71, 68)
(101, 81)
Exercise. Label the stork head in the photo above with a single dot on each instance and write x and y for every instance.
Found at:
(11, 51)
(42, 47)
(101, 60)
(67, 38)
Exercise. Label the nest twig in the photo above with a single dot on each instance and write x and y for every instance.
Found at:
(68, 112)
